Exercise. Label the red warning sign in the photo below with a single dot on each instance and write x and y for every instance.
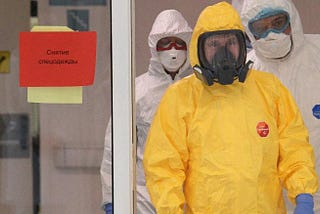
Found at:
(57, 58)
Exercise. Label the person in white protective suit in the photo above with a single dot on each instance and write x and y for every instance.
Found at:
(168, 41)
(281, 47)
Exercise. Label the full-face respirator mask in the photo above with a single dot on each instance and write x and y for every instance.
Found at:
(222, 56)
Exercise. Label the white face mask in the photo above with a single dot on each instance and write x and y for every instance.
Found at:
(172, 59)
(275, 45)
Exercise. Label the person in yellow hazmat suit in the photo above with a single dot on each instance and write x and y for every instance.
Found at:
(227, 139)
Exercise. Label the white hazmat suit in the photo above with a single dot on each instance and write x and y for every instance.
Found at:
(299, 71)
(150, 87)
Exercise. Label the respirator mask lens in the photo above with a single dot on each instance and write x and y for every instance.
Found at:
(221, 47)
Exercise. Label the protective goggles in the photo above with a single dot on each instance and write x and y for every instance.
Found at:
(168, 43)
(269, 20)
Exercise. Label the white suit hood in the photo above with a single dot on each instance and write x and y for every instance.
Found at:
(251, 8)
(237, 4)
(168, 23)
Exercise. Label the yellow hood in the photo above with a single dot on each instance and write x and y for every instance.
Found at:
(221, 16)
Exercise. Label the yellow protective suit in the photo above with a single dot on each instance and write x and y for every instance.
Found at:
(224, 149)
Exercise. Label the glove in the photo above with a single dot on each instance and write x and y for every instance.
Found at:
(108, 208)
(304, 204)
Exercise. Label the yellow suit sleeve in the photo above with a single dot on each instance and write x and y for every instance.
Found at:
(296, 162)
(166, 155)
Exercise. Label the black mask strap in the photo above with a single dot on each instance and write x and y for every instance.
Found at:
(244, 71)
